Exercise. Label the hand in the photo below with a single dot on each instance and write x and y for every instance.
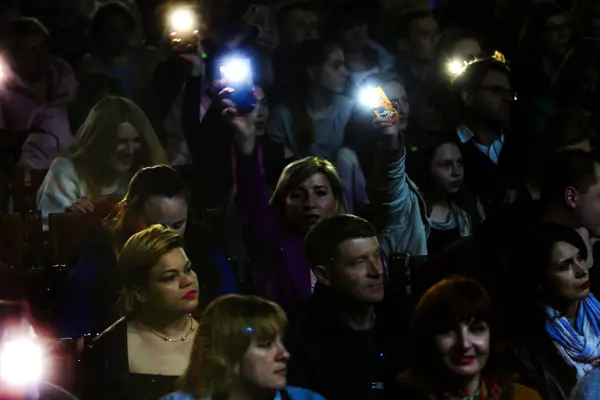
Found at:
(244, 125)
(84, 206)
(388, 130)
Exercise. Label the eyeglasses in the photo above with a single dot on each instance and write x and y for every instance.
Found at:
(500, 91)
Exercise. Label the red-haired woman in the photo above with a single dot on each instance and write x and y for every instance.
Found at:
(456, 352)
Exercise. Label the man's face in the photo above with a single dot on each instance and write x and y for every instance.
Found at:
(300, 25)
(556, 35)
(587, 205)
(423, 35)
(491, 101)
(358, 272)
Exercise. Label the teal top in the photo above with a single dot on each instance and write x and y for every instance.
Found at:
(293, 392)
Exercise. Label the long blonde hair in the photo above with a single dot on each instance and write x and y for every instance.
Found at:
(226, 330)
(97, 138)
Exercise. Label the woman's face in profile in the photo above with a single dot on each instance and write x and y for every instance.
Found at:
(310, 202)
(464, 349)
(264, 364)
(332, 75)
(567, 278)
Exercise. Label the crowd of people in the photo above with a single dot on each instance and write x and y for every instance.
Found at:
(443, 250)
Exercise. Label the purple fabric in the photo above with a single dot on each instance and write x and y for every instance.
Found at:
(21, 109)
(279, 267)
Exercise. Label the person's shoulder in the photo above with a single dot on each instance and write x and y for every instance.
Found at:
(588, 386)
(62, 165)
(179, 396)
(297, 393)
(520, 392)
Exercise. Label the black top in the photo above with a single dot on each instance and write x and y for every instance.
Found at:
(105, 373)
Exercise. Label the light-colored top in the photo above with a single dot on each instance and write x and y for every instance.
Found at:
(63, 187)
(588, 387)
(329, 131)
(493, 151)
(294, 393)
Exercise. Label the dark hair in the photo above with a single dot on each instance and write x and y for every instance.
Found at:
(446, 304)
(22, 28)
(299, 171)
(403, 26)
(575, 168)
(285, 11)
(108, 11)
(321, 244)
(311, 53)
(345, 17)
(567, 128)
(418, 162)
(471, 78)
(155, 181)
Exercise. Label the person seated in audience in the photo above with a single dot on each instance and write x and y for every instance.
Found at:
(483, 96)
(346, 326)
(35, 91)
(456, 349)
(308, 191)
(239, 353)
(143, 353)
(114, 141)
(313, 121)
(114, 54)
(156, 195)
(553, 318)
(348, 26)
(437, 169)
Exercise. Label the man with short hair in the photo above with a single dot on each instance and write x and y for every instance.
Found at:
(418, 33)
(484, 95)
(344, 344)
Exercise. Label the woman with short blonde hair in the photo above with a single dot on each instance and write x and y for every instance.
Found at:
(143, 353)
(115, 140)
(238, 353)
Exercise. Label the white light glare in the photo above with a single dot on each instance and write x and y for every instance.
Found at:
(236, 71)
(21, 362)
(455, 67)
(182, 20)
(369, 97)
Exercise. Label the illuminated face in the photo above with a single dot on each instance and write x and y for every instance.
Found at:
(264, 365)
(310, 202)
(464, 349)
(129, 145)
(567, 277)
(446, 168)
(332, 75)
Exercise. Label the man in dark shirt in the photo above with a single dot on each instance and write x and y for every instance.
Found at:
(344, 342)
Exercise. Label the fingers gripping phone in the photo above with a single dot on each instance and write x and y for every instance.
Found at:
(376, 99)
(236, 71)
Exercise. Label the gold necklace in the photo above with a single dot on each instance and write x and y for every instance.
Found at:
(168, 339)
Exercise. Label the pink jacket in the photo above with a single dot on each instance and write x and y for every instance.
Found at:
(21, 110)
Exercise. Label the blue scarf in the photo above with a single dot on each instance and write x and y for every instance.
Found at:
(580, 344)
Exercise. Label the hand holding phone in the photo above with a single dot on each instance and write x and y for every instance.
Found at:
(183, 30)
(236, 73)
(376, 99)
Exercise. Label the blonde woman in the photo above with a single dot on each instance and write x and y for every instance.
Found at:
(142, 354)
(238, 354)
(115, 140)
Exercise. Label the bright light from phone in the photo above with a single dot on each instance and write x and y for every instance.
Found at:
(369, 97)
(21, 362)
(182, 20)
(236, 71)
(455, 67)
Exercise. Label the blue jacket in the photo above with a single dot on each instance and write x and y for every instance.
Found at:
(294, 393)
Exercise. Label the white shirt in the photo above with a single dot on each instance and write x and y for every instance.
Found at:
(63, 187)
(492, 151)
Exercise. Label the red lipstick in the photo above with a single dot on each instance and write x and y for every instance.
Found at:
(464, 360)
(191, 295)
(586, 285)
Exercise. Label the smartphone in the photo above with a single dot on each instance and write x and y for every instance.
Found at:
(379, 103)
(236, 71)
(183, 29)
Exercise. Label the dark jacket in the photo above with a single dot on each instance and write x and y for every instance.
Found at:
(340, 363)
(105, 370)
(490, 182)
